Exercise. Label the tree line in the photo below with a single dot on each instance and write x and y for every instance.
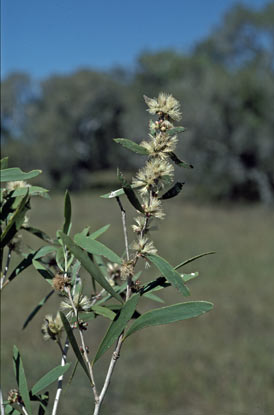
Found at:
(65, 124)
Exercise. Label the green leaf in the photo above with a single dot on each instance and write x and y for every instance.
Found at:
(99, 232)
(84, 316)
(191, 276)
(40, 234)
(9, 410)
(21, 379)
(179, 162)
(103, 311)
(16, 221)
(67, 213)
(15, 174)
(89, 265)
(169, 273)
(170, 314)
(96, 248)
(4, 163)
(25, 263)
(187, 261)
(130, 193)
(174, 191)
(175, 130)
(74, 344)
(36, 309)
(45, 250)
(118, 192)
(45, 272)
(131, 145)
(117, 326)
(154, 297)
(33, 191)
(49, 378)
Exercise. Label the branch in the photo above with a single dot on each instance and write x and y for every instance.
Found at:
(60, 379)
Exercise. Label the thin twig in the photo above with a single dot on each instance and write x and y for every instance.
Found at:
(1, 403)
(124, 225)
(60, 379)
(96, 397)
(23, 409)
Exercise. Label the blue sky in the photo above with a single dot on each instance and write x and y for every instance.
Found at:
(43, 37)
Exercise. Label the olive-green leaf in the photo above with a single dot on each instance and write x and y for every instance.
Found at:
(37, 232)
(97, 248)
(175, 130)
(131, 145)
(170, 314)
(36, 309)
(67, 213)
(15, 174)
(187, 261)
(99, 232)
(74, 344)
(104, 311)
(130, 193)
(33, 191)
(89, 265)
(44, 271)
(169, 273)
(174, 191)
(179, 162)
(25, 263)
(118, 325)
(49, 378)
(9, 410)
(21, 379)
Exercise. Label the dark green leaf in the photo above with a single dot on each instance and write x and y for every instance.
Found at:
(89, 265)
(45, 250)
(74, 344)
(130, 193)
(179, 162)
(169, 273)
(154, 297)
(25, 263)
(67, 214)
(21, 379)
(131, 145)
(16, 221)
(9, 410)
(175, 130)
(33, 191)
(37, 308)
(174, 191)
(170, 314)
(49, 378)
(96, 248)
(117, 326)
(15, 174)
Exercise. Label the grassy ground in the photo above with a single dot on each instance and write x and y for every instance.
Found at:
(219, 364)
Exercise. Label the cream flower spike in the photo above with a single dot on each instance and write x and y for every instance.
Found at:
(166, 104)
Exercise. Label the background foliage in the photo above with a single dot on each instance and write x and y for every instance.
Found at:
(65, 124)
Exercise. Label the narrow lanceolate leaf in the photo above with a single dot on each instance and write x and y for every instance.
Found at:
(97, 248)
(131, 145)
(15, 174)
(74, 344)
(115, 193)
(130, 193)
(169, 273)
(49, 378)
(117, 326)
(37, 308)
(25, 263)
(170, 314)
(154, 297)
(187, 261)
(99, 232)
(21, 379)
(104, 311)
(45, 250)
(9, 410)
(89, 265)
(45, 272)
(40, 234)
(179, 162)
(174, 191)
(191, 276)
(175, 130)
(16, 221)
(67, 213)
